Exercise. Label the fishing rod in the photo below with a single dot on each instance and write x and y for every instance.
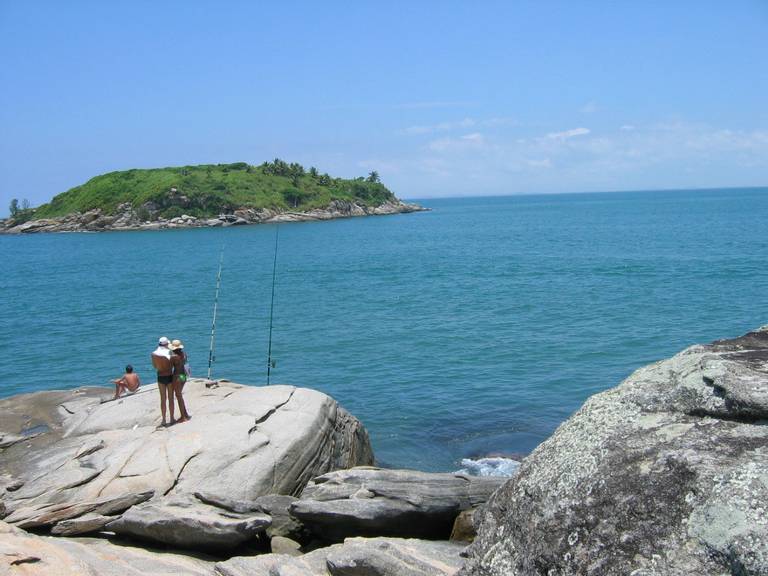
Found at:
(270, 362)
(211, 356)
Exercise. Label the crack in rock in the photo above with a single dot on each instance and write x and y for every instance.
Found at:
(27, 560)
(269, 413)
(181, 470)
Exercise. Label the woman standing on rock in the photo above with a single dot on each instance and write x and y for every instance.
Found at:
(180, 375)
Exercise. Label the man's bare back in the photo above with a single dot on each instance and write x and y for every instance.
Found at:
(129, 382)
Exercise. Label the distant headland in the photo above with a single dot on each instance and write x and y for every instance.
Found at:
(207, 195)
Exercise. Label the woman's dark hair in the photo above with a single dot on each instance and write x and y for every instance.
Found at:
(129, 369)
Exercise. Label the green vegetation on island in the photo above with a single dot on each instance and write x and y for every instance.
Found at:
(211, 189)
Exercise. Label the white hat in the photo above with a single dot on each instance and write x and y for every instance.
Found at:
(177, 345)
(163, 341)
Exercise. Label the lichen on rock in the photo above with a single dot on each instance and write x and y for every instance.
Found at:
(665, 474)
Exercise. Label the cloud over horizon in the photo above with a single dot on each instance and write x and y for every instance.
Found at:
(621, 158)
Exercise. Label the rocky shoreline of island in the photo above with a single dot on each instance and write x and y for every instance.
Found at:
(666, 473)
(127, 218)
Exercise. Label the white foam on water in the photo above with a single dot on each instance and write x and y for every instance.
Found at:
(496, 466)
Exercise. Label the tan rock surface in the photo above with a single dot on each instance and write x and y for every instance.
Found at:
(242, 442)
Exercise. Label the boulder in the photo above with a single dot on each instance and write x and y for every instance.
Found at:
(394, 557)
(283, 545)
(85, 524)
(311, 564)
(665, 474)
(34, 517)
(283, 523)
(243, 442)
(367, 501)
(464, 527)
(355, 557)
(22, 553)
(185, 522)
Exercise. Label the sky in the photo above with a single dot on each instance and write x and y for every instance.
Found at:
(441, 98)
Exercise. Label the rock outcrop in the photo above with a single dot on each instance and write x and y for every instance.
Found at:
(355, 557)
(126, 217)
(665, 474)
(99, 458)
(185, 522)
(23, 554)
(368, 501)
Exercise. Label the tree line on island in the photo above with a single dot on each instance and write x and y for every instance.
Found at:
(208, 190)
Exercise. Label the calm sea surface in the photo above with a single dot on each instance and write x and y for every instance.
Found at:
(476, 328)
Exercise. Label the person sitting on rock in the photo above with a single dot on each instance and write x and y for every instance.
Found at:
(161, 360)
(128, 383)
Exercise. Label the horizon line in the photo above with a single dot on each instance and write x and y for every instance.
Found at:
(627, 191)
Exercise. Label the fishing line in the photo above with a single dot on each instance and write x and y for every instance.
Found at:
(270, 362)
(211, 355)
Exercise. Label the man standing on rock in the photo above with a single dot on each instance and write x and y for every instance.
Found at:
(161, 360)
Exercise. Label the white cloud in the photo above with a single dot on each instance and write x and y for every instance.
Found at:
(589, 108)
(467, 141)
(637, 157)
(452, 126)
(543, 163)
(435, 104)
(566, 134)
(442, 127)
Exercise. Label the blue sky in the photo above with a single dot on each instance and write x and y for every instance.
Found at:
(441, 98)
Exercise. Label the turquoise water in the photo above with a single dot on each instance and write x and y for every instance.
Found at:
(475, 328)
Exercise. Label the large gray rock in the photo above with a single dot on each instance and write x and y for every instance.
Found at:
(311, 564)
(28, 517)
(185, 522)
(368, 501)
(665, 474)
(395, 557)
(85, 524)
(276, 506)
(242, 442)
(283, 523)
(355, 557)
(25, 554)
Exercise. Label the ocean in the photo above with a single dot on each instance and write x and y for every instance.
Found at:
(469, 331)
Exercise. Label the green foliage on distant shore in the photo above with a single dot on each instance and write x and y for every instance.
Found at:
(20, 211)
(212, 189)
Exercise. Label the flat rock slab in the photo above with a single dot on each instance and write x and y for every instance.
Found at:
(311, 564)
(185, 522)
(395, 557)
(665, 474)
(242, 442)
(367, 501)
(84, 524)
(54, 514)
(25, 554)
(356, 557)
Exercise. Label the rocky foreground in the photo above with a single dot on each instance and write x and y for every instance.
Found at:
(665, 474)
(223, 486)
(127, 218)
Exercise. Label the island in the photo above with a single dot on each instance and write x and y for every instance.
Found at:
(207, 195)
